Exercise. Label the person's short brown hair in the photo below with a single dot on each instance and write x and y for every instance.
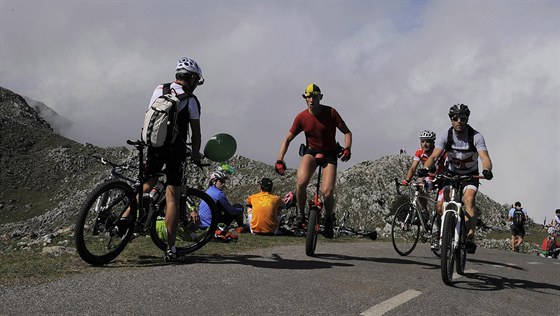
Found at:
(266, 184)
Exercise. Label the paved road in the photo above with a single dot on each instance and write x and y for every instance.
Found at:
(344, 279)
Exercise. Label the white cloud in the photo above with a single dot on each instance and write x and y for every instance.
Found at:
(391, 69)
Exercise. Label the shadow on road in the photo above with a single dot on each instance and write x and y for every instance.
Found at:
(273, 262)
(400, 260)
(511, 266)
(487, 282)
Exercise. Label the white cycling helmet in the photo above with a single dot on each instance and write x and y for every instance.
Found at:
(427, 134)
(218, 175)
(186, 65)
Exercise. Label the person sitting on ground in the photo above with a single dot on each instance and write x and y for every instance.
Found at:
(264, 209)
(517, 216)
(215, 190)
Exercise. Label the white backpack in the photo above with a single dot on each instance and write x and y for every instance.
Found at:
(160, 121)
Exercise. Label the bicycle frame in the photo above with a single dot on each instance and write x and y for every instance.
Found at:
(455, 205)
(420, 211)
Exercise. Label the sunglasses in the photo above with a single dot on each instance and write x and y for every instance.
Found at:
(456, 118)
(426, 141)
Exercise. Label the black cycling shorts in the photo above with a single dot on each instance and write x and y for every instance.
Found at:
(330, 157)
(172, 158)
(517, 230)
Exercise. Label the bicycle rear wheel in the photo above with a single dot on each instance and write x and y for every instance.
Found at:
(97, 236)
(462, 250)
(312, 231)
(190, 236)
(405, 230)
(447, 251)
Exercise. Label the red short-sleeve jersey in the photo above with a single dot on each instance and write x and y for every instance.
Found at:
(320, 130)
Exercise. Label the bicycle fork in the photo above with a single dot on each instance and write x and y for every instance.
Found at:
(451, 207)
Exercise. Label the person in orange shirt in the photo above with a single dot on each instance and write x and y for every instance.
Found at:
(264, 209)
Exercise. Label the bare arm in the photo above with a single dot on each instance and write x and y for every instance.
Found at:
(347, 135)
(429, 164)
(284, 146)
(411, 170)
(486, 161)
(195, 139)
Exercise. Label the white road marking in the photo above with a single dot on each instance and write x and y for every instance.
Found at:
(391, 303)
(534, 262)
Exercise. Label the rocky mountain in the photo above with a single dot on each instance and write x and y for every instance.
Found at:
(45, 177)
(59, 124)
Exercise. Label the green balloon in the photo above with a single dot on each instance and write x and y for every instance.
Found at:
(220, 147)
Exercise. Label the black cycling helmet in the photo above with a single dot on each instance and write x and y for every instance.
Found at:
(558, 211)
(459, 109)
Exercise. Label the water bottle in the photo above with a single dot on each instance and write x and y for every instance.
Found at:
(156, 191)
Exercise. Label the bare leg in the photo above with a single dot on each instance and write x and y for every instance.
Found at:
(470, 221)
(306, 169)
(327, 188)
(171, 215)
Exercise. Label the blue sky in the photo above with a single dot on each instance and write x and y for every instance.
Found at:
(391, 68)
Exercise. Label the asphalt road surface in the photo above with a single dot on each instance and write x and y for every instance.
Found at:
(343, 279)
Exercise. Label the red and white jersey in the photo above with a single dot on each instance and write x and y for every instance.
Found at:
(422, 156)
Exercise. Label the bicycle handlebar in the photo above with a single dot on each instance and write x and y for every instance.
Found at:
(416, 185)
(457, 177)
(113, 165)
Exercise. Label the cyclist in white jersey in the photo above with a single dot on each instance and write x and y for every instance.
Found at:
(465, 147)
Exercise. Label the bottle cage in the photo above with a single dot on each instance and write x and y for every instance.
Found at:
(302, 149)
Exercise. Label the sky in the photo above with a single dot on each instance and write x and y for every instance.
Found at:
(391, 69)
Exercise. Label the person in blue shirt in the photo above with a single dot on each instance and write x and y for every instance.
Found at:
(215, 190)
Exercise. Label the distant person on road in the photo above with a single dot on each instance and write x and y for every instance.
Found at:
(264, 210)
(517, 217)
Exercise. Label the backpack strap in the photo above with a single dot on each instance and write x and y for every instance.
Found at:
(181, 97)
(470, 139)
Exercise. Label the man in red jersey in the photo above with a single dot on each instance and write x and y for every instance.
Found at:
(319, 123)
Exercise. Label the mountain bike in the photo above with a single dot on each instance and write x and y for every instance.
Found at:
(412, 222)
(101, 235)
(453, 229)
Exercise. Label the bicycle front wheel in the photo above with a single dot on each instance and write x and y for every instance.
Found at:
(312, 231)
(447, 251)
(98, 234)
(405, 230)
(190, 236)
(461, 251)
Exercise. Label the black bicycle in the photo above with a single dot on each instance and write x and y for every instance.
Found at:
(453, 231)
(412, 222)
(101, 235)
(341, 230)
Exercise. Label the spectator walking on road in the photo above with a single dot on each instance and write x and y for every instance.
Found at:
(517, 216)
